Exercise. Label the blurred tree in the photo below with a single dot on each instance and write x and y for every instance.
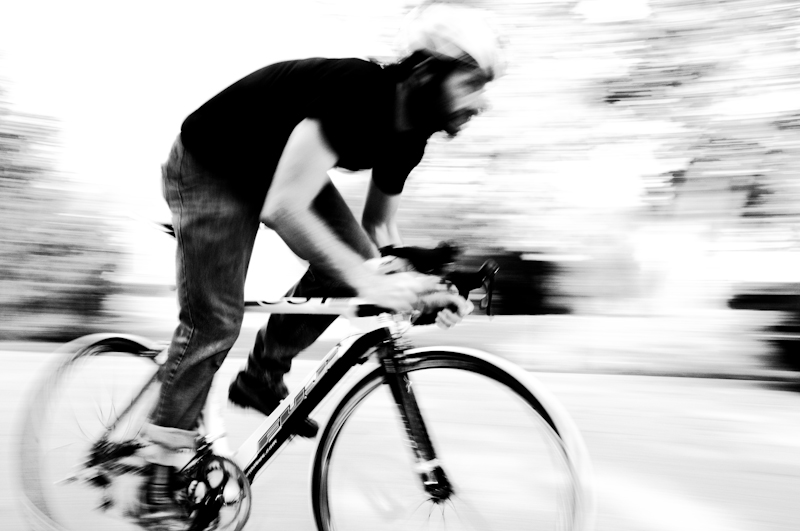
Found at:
(724, 71)
(54, 247)
(622, 131)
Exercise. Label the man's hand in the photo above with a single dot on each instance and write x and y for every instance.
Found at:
(389, 265)
(448, 318)
(451, 306)
(399, 292)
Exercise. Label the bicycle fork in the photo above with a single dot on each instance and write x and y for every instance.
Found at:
(434, 479)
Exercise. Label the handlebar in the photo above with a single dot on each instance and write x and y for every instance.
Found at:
(430, 261)
(484, 277)
(433, 261)
(463, 281)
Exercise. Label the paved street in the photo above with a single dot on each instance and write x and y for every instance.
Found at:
(670, 453)
(713, 342)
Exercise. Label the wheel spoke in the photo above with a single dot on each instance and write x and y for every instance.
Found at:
(472, 517)
(505, 459)
(85, 397)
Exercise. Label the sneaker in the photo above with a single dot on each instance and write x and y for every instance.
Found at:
(247, 391)
(159, 511)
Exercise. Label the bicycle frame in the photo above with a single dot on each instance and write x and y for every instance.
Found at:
(394, 362)
(278, 429)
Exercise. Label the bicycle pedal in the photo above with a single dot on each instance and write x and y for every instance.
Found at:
(216, 494)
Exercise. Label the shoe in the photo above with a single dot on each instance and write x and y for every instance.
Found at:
(159, 511)
(247, 391)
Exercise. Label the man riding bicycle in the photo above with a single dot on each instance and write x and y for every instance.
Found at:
(259, 151)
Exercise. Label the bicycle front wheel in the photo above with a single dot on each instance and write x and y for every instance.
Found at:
(77, 469)
(513, 456)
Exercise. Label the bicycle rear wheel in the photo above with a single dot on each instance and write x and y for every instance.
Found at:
(92, 403)
(515, 459)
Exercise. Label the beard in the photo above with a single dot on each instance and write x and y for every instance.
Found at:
(429, 110)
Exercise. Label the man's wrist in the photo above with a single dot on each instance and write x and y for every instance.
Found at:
(361, 278)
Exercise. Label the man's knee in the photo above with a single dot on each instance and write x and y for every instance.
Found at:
(228, 331)
(214, 334)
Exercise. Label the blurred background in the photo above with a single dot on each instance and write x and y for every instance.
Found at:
(637, 162)
(634, 177)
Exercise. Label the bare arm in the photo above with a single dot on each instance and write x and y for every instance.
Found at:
(288, 210)
(299, 177)
(380, 217)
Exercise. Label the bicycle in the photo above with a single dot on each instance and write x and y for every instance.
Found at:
(490, 447)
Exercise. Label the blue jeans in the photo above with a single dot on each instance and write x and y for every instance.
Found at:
(215, 226)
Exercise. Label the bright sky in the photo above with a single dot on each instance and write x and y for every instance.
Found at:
(122, 78)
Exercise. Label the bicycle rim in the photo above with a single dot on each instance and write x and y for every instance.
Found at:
(102, 390)
(499, 445)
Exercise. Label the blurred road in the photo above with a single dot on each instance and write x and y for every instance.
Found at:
(703, 342)
(670, 453)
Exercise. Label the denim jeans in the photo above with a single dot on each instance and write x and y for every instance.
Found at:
(215, 227)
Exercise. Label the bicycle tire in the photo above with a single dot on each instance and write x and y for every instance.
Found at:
(573, 510)
(42, 452)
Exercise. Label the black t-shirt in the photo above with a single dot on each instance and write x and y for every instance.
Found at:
(240, 133)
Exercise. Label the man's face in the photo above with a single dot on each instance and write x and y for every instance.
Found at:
(463, 96)
(448, 101)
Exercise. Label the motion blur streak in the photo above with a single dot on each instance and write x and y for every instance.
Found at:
(635, 176)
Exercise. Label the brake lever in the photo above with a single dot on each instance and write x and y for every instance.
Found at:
(486, 301)
(484, 277)
(430, 261)
(489, 269)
